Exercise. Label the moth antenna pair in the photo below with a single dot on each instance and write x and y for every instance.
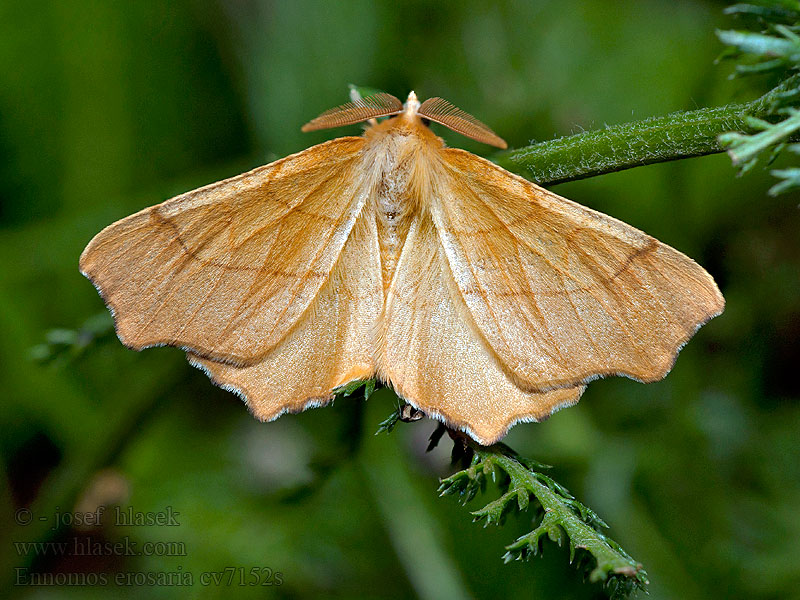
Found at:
(382, 104)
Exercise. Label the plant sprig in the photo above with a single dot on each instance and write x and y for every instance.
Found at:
(559, 515)
(366, 386)
(62, 344)
(775, 49)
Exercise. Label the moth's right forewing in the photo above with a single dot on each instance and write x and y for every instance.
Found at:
(228, 269)
(562, 293)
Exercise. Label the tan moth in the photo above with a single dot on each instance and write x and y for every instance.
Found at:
(480, 297)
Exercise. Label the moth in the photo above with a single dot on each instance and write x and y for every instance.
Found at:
(480, 297)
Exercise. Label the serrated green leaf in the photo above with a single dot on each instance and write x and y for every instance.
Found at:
(388, 424)
(349, 388)
(562, 518)
(756, 123)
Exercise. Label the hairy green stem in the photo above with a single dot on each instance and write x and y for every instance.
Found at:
(618, 147)
(653, 140)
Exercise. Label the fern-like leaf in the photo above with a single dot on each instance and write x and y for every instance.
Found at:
(562, 518)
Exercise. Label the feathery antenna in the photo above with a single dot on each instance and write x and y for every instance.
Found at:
(378, 105)
(441, 111)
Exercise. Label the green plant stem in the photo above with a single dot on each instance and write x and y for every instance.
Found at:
(656, 139)
(618, 147)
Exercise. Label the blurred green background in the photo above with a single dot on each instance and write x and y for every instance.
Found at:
(107, 107)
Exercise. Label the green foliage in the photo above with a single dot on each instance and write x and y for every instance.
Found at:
(106, 108)
(773, 49)
(775, 11)
(389, 423)
(615, 148)
(366, 386)
(65, 344)
(560, 516)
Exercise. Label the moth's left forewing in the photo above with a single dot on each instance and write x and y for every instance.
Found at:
(562, 293)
